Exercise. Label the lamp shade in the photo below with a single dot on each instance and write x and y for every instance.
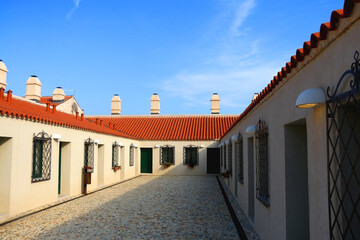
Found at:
(251, 129)
(310, 98)
(56, 136)
(235, 137)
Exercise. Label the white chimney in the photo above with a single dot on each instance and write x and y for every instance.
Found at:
(58, 95)
(255, 96)
(33, 88)
(155, 104)
(215, 104)
(115, 105)
(3, 73)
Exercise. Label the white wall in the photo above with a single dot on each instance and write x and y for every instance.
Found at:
(25, 195)
(322, 69)
(179, 168)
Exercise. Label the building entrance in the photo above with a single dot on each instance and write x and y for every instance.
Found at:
(146, 160)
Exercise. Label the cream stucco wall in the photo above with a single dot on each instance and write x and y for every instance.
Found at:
(328, 62)
(179, 168)
(67, 107)
(17, 136)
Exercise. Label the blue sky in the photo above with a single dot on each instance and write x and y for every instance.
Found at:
(184, 50)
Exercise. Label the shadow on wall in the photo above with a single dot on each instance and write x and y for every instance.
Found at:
(159, 207)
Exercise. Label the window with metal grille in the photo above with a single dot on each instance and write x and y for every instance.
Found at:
(221, 156)
(167, 153)
(240, 158)
(343, 144)
(41, 164)
(132, 155)
(230, 158)
(224, 152)
(262, 164)
(115, 154)
(89, 155)
(191, 155)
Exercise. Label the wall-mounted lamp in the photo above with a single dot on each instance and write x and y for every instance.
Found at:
(310, 98)
(235, 137)
(97, 141)
(201, 146)
(251, 129)
(56, 136)
(157, 146)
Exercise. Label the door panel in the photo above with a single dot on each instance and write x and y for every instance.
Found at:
(146, 160)
(213, 161)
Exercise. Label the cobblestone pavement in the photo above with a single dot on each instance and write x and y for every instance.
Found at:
(147, 207)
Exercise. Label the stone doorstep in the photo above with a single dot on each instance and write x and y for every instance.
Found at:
(246, 224)
(4, 219)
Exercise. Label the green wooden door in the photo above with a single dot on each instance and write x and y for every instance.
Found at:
(146, 160)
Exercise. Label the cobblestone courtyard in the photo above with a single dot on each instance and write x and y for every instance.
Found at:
(147, 207)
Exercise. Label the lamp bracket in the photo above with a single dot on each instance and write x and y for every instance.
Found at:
(354, 83)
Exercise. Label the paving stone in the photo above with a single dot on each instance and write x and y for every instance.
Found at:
(147, 207)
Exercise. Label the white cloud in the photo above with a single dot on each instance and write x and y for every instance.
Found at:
(242, 12)
(71, 12)
(236, 72)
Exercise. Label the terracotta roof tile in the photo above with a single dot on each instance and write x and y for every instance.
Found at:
(303, 52)
(188, 127)
(48, 99)
(21, 108)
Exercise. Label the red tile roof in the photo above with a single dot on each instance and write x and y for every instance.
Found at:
(186, 127)
(302, 53)
(47, 99)
(24, 109)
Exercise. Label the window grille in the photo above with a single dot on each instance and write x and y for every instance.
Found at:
(343, 141)
(191, 155)
(262, 164)
(167, 154)
(224, 152)
(115, 154)
(89, 155)
(240, 158)
(41, 164)
(230, 158)
(221, 156)
(132, 155)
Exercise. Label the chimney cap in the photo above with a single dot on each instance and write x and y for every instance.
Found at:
(3, 66)
(116, 94)
(59, 87)
(215, 93)
(155, 94)
(33, 79)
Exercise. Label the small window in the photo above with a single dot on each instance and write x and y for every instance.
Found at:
(89, 155)
(167, 153)
(132, 155)
(240, 158)
(221, 156)
(230, 158)
(224, 152)
(191, 155)
(262, 164)
(41, 164)
(115, 155)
